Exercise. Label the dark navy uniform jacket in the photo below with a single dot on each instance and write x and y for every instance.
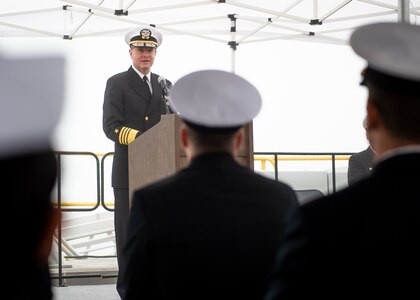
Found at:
(128, 111)
(362, 241)
(360, 165)
(210, 231)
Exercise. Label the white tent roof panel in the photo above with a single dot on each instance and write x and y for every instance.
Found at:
(254, 20)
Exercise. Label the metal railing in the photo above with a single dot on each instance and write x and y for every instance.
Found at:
(264, 157)
(59, 155)
(104, 156)
(299, 156)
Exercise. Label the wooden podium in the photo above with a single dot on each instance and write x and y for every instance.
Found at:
(158, 153)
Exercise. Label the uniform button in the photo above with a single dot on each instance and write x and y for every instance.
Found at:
(146, 118)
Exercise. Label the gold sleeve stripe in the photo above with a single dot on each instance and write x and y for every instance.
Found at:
(126, 132)
(121, 135)
(127, 135)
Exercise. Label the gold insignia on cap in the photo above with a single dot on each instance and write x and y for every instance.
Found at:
(146, 118)
(145, 34)
(143, 37)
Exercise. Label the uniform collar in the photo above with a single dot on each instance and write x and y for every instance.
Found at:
(401, 150)
(141, 74)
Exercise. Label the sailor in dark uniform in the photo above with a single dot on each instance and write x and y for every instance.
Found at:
(28, 166)
(361, 163)
(133, 103)
(363, 241)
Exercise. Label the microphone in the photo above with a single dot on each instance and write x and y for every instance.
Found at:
(163, 85)
(165, 93)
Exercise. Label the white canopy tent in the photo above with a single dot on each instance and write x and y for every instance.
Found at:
(229, 22)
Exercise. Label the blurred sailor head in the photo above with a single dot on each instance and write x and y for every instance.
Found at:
(393, 79)
(143, 42)
(214, 105)
(30, 104)
(30, 109)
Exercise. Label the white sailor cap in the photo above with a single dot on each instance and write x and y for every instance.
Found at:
(30, 104)
(392, 53)
(214, 99)
(143, 37)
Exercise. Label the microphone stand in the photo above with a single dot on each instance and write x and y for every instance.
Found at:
(164, 94)
(165, 101)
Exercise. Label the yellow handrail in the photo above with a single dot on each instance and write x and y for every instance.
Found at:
(102, 154)
(84, 204)
(264, 159)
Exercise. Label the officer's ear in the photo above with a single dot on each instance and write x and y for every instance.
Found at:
(238, 140)
(372, 116)
(184, 136)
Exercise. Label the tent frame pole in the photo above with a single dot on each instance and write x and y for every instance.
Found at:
(403, 11)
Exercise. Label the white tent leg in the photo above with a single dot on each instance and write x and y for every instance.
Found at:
(403, 11)
(232, 60)
(232, 42)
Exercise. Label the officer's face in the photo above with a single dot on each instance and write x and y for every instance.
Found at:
(143, 58)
